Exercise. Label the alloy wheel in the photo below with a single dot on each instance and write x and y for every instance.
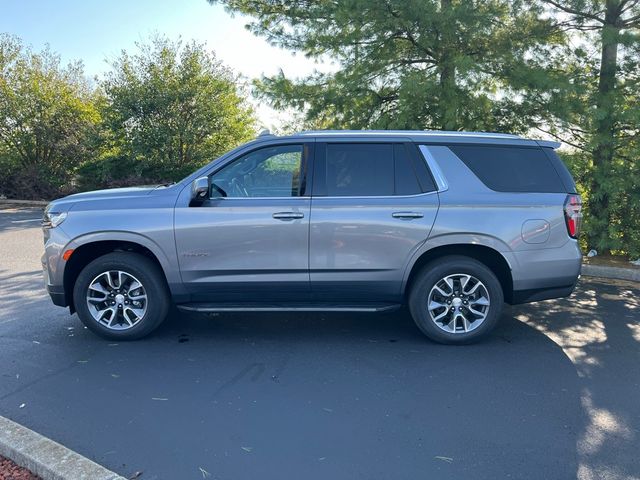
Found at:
(458, 303)
(117, 300)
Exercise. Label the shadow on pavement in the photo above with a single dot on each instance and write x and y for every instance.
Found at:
(290, 395)
(599, 330)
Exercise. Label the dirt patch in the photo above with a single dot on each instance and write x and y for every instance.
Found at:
(11, 471)
(610, 261)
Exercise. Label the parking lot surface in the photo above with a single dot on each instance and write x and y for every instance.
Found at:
(553, 393)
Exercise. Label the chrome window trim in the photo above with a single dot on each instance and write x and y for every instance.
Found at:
(436, 171)
(423, 194)
(259, 198)
(376, 196)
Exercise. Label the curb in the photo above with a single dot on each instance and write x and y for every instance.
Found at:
(46, 458)
(618, 273)
(27, 203)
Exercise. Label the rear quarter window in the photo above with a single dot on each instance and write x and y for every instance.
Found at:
(511, 169)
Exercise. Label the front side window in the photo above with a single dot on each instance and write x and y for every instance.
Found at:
(267, 172)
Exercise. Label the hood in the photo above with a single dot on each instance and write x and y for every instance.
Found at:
(64, 203)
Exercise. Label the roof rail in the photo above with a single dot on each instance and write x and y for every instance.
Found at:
(407, 132)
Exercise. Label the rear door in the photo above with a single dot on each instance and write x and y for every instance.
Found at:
(373, 205)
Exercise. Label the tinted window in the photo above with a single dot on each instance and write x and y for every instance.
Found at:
(562, 170)
(359, 169)
(511, 169)
(422, 171)
(267, 172)
(406, 182)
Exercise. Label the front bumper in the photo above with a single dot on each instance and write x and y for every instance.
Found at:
(58, 297)
(56, 292)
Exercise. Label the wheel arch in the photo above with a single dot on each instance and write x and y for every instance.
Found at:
(486, 255)
(85, 250)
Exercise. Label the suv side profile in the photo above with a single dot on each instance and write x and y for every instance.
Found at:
(451, 224)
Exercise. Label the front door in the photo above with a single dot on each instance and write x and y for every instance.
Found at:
(249, 241)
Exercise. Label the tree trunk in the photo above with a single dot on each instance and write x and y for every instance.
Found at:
(604, 141)
(447, 69)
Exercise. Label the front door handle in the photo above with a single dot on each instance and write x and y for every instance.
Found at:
(407, 215)
(287, 215)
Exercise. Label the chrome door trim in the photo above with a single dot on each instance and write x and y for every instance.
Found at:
(438, 176)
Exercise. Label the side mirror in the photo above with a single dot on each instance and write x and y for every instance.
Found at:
(200, 189)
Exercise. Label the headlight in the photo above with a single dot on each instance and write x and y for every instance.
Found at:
(53, 219)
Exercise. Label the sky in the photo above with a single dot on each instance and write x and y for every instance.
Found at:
(94, 32)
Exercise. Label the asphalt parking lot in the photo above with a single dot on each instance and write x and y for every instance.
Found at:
(554, 393)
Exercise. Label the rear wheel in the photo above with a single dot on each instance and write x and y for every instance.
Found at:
(456, 300)
(121, 295)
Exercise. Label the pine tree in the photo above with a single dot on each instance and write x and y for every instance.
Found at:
(415, 64)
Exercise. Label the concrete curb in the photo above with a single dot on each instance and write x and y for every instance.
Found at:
(618, 273)
(46, 458)
(26, 203)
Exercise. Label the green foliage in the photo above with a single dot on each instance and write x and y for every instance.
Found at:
(568, 68)
(411, 64)
(47, 121)
(157, 116)
(169, 109)
(596, 110)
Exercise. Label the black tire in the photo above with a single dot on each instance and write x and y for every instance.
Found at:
(149, 275)
(430, 275)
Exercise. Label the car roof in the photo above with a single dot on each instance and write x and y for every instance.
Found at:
(427, 136)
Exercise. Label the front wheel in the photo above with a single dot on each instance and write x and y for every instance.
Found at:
(456, 300)
(121, 296)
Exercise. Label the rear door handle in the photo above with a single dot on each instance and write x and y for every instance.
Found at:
(287, 215)
(407, 215)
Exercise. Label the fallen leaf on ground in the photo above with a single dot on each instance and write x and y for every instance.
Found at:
(22, 405)
(204, 473)
(444, 459)
(135, 475)
(160, 399)
(83, 361)
(247, 449)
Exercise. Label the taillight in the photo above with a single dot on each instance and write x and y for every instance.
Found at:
(573, 215)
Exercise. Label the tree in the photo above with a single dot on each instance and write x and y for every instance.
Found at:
(170, 108)
(47, 120)
(402, 63)
(600, 114)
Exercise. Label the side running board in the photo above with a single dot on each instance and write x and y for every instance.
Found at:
(311, 307)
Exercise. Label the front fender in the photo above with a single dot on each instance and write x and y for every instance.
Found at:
(168, 263)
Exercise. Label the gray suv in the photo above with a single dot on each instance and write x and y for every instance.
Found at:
(450, 224)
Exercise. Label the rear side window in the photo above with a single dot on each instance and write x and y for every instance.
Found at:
(406, 182)
(367, 169)
(359, 169)
(511, 169)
